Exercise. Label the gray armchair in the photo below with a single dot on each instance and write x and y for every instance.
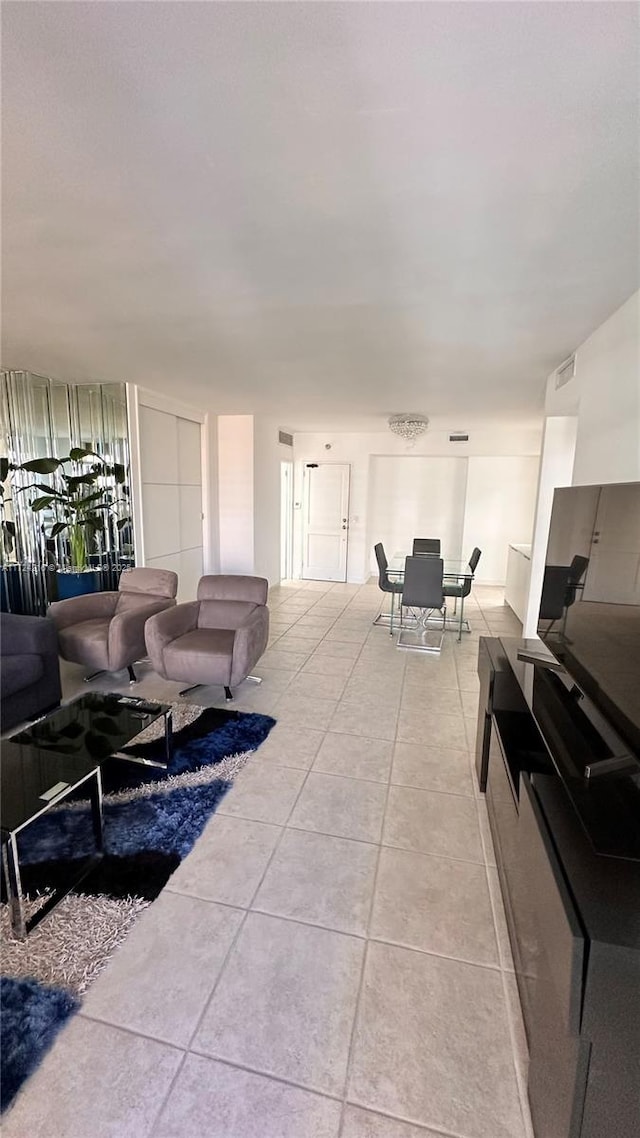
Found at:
(215, 639)
(105, 631)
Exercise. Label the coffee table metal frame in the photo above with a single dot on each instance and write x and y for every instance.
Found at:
(22, 926)
(166, 712)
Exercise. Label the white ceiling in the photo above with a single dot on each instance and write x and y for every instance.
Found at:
(318, 208)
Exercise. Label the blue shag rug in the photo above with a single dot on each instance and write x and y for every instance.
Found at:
(152, 818)
(32, 1015)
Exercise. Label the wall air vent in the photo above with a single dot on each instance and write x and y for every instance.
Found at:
(285, 438)
(566, 372)
(458, 437)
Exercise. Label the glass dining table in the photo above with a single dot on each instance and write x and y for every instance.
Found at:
(455, 572)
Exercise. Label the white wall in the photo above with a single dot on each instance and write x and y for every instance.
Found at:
(608, 367)
(268, 453)
(415, 496)
(605, 396)
(592, 431)
(487, 442)
(235, 493)
(499, 510)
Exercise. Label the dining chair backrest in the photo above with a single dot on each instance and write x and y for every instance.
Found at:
(383, 564)
(429, 545)
(555, 583)
(474, 559)
(423, 582)
(577, 570)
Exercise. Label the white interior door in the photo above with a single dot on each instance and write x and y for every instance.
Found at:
(325, 521)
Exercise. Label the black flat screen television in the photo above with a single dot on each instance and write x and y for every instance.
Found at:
(590, 604)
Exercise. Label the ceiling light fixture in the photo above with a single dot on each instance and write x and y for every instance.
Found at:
(408, 426)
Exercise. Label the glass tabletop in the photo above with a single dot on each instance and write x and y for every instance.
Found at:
(453, 567)
(92, 727)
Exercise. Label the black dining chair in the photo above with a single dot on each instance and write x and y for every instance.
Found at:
(461, 589)
(430, 545)
(387, 585)
(559, 588)
(422, 590)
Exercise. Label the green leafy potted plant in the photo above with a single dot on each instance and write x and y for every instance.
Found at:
(80, 506)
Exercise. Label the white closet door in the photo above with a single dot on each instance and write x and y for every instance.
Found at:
(171, 470)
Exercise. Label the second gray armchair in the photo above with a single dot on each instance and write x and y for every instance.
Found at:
(216, 639)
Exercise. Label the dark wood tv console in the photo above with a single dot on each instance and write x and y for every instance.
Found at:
(573, 917)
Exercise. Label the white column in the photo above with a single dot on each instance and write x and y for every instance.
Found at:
(235, 493)
(556, 469)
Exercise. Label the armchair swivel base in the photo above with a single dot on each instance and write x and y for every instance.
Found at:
(228, 694)
(133, 679)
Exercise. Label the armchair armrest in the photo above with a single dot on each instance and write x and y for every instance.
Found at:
(28, 634)
(249, 643)
(166, 626)
(88, 607)
(127, 633)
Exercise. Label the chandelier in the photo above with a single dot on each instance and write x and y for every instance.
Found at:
(408, 426)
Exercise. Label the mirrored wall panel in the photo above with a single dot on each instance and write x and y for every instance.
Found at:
(66, 512)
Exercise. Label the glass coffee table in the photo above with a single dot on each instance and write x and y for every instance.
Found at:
(97, 726)
(54, 764)
(35, 783)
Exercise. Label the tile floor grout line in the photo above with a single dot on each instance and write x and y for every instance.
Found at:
(237, 1066)
(240, 927)
(234, 941)
(366, 841)
(214, 989)
(81, 1014)
(359, 996)
(165, 1098)
(522, 1096)
(427, 1127)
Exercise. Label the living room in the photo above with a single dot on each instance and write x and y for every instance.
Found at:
(275, 229)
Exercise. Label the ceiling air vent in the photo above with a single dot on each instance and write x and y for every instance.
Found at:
(285, 439)
(458, 437)
(565, 372)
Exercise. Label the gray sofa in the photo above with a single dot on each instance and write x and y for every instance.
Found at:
(215, 639)
(29, 668)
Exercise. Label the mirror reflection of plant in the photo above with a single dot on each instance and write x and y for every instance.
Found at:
(7, 525)
(79, 504)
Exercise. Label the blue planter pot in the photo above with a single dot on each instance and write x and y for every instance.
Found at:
(76, 584)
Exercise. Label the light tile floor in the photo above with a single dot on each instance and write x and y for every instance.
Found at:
(331, 961)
